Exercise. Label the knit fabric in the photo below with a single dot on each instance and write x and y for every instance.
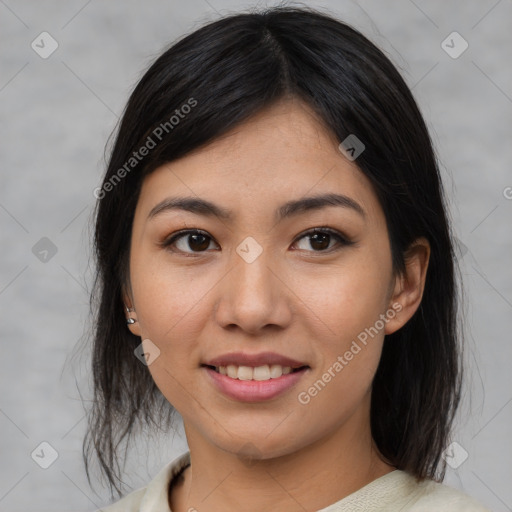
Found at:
(395, 491)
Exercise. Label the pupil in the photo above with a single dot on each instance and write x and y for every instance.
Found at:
(201, 242)
(320, 238)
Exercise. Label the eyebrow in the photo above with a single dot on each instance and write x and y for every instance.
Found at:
(291, 208)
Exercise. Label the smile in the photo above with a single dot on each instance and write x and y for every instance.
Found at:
(259, 373)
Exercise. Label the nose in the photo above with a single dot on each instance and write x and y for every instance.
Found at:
(254, 297)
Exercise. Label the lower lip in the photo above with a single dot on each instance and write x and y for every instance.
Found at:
(254, 390)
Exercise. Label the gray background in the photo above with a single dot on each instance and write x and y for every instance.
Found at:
(56, 116)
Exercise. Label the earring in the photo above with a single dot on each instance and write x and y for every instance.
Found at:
(130, 320)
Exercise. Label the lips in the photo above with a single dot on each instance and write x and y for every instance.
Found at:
(254, 390)
(254, 377)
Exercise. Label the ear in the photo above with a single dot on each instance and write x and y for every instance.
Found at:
(129, 311)
(409, 286)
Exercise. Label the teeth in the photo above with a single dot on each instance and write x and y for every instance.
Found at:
(232, 371)
(260, 373)
(265, 372)
(244, 372)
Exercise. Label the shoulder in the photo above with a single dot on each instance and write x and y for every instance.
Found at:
(399, 490)
(443, 498)
(153, 497)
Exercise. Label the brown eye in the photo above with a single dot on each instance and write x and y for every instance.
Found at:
(198, 242)
(189, 241)
(320, 240)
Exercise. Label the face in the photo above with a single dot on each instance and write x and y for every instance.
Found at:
(263, 273)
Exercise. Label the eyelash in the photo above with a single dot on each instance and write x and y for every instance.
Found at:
(342, 240)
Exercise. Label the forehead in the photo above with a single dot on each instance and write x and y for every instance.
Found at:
(281, 153)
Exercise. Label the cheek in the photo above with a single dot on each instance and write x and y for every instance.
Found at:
(350, 334)
(171, 309)
(347, 299)
(170, 298)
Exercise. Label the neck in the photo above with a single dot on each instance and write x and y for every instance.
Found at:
(333, 467)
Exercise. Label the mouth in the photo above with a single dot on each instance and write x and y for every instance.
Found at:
(254, 383)
(256, 373)
(247, 377)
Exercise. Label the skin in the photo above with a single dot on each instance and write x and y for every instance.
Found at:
(295, 299)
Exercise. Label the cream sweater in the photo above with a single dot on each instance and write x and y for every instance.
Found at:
(393, 492)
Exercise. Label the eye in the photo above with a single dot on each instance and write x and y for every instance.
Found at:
(189, 241)
(320, 240)
(193, 241)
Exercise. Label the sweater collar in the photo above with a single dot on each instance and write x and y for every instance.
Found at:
(376, 495)
(155, 498)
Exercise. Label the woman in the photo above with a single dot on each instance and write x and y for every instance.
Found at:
(275, 261)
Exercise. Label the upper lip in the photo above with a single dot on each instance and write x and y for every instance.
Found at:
(261, 359)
